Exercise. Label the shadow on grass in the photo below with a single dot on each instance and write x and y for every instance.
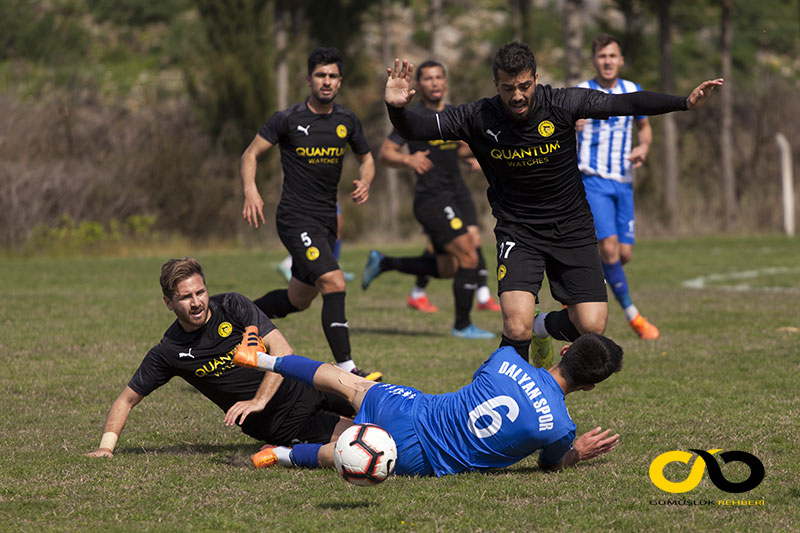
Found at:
(395, 331)
(190, 449)
(338, 506)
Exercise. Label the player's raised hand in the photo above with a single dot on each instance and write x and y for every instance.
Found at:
(594, 443)
(702, 92)
(398, 84)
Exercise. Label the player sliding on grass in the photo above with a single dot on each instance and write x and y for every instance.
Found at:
(199, 347)
(524, 140)
(510, 410)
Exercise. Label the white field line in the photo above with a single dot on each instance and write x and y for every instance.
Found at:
(717, 281)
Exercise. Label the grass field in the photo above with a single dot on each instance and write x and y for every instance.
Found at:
(723, 375)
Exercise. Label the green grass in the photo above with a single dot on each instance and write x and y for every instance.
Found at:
(723, 375)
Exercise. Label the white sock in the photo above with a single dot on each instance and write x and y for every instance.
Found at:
(266, 361)
(287, 262)
(347, 366)
(417, 292)
(538, 326)
(483, 294)
(282, 453)
(631, 312)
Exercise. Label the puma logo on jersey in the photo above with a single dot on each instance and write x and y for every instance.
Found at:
(493, 134)
(304, 130)
(181, 355)
(340, 325)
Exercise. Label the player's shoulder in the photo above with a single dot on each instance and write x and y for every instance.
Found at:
(229, 301)
(343, 111)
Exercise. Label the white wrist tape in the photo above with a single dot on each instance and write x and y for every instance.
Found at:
(109, 440)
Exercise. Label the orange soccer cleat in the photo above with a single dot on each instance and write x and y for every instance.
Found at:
(247, 352)
(644, 328)
(489, 305)
(266, 457)
(422, 304)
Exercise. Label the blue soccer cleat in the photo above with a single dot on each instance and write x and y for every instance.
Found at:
(373, 268)
(472, 332)
(348, 276)
(284, 271)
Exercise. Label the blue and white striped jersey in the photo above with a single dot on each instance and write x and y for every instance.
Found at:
(604, 145)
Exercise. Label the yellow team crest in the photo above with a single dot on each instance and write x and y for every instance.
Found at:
(456, 223)
(312, 253)
(225, 329)
(546, 128)
(501, 272)
(341, 131)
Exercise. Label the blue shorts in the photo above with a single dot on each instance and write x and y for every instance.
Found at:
(392, 408)
(612, 208)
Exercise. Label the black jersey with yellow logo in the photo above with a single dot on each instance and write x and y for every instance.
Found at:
(312, 147)
(445, 175)
(532, 165)
(204, 357)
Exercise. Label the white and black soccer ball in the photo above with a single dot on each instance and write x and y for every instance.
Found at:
(365, 454)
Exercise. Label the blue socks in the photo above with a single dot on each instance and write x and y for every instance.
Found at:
(305, 455)
(615, 277)
(297, 367)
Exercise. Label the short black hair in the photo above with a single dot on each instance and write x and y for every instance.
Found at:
(601, 40)
(514, 59)
(590, 359)
(430, 63)
(324, 56)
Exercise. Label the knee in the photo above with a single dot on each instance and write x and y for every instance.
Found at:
(625, 256)
(595, 323)
(468, 257)
(517, 328)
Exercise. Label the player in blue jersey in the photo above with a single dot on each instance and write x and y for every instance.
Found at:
(510, 410)
(606, 159)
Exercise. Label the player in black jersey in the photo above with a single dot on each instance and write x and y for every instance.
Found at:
(524, 139)
(438, 207)
(199, 347)
(313, 136)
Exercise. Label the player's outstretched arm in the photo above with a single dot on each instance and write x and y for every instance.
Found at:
(702, 92)
(115, 421)
(253, 210)
(398, 91)
(591, 444)
(392, 155)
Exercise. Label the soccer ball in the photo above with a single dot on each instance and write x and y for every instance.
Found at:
(365, 454)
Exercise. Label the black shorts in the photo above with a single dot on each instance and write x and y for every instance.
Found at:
(466, 205)
(571, 261)
(441, 218)
(310, 244)
(301, 414)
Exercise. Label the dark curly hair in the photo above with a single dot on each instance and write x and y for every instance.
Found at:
(590, 359)
(324, 56)
(514, 59)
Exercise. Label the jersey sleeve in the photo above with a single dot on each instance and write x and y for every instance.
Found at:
(274, 128)
(396, 138)
(638, 88)
(552, 453)
(151, 374)
(588, 103)
(357, 140)
(247, 313)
